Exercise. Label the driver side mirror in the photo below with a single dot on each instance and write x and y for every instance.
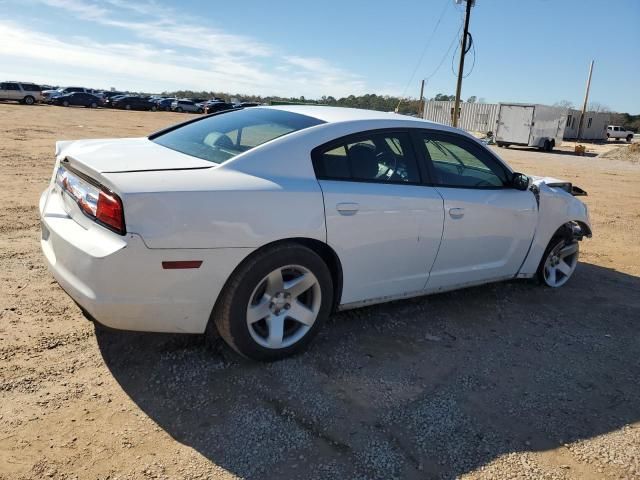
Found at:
(520, 181)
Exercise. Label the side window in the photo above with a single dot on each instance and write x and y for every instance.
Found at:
(458, 163)
(10, 86)
(374, 157)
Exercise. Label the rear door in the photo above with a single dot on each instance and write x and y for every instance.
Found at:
(514, 124)
(385, 225)
(488, 225)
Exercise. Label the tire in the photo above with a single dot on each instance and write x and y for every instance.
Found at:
(29, 100)
(65, 104)
(179, 110)
(608, 136)
(546, 147)
(256, 284)
(154, 108)
(127, 107)
(559, 261)
(500, 144)
(167, 109)
(552, 145)
(93, 105)
(200, 110)
(629, 138)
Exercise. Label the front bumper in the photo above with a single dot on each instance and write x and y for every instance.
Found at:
(121, 283)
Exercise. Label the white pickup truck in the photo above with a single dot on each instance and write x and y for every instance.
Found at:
(616, 133)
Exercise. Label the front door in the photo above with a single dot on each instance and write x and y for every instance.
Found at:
(488, 225)
(385, 226)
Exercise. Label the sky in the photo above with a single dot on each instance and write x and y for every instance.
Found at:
(524, 50)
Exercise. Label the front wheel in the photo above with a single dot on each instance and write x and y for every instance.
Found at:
(179, 110)
(558, 262)
(29, 100)
(275, 303)
(154, 108)
(65, 104)
(94, 105)
(127, 107)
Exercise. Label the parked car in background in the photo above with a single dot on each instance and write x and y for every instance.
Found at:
(258, 223)
(130, 102)
(79, 99)
(247, 104)
(213, 107)
(51, 94)
(23, 92)
(616, 132)
(165, 104)
(186, 106)
(109, 100)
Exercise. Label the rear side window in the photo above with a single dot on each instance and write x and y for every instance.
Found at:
(10, 86)
(218, 138)
(385, 157)
(30, 87)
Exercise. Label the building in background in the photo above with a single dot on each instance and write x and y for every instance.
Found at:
(594, 125)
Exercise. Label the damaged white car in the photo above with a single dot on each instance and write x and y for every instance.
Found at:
(258, 223)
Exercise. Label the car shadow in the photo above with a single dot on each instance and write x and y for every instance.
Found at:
(427, 388)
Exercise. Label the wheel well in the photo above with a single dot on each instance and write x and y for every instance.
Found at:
(572, 230)
(324, 251)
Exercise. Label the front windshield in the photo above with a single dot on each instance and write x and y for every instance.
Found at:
(221, 137)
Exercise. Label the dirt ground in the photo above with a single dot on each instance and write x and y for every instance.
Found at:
(510, 380)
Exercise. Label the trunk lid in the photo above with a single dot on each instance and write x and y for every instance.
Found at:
(127, 155)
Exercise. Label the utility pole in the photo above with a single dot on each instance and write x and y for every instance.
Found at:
(584, 104)
(421, 102)
(463, 52)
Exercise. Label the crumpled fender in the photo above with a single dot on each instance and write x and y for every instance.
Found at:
(556, 208)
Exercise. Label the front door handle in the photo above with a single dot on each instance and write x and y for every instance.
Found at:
(456, 212)
(347, 208)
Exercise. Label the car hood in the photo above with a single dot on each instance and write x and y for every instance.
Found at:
(125, 155)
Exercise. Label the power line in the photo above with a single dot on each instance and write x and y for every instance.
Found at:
(447, 3)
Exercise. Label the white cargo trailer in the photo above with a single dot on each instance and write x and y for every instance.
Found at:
(530, 125)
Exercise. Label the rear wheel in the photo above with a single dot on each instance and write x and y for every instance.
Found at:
(559, 261)
(200, 110)
(127, 107)
(629, 138)
(179, 110)
(94, 105)
(65, 104)
(275, 303)
(546, 147)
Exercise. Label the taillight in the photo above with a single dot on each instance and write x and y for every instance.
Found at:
(95, 201)
(110, 211)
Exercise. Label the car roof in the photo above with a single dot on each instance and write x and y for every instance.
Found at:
(342, 114)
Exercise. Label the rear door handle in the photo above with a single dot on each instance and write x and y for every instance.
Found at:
(456, 212)
(347, 208)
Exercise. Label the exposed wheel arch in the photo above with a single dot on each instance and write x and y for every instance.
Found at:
(328, 255)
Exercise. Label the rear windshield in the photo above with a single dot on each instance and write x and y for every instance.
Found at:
(221, 137)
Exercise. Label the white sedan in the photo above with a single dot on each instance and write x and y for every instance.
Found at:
(258, 223)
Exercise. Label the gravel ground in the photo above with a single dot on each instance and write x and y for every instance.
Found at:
(509, 380)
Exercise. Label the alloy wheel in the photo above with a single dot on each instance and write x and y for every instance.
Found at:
(283, 307)
(560, 263)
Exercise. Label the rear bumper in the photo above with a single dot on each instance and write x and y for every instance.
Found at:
(121, 283)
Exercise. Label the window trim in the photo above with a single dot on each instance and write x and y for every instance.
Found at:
(317, 152)
(474, 148)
